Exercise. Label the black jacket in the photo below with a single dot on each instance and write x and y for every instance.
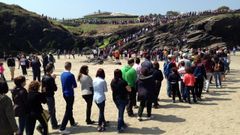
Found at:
(34, 101)
(48, 83)
(19, 96)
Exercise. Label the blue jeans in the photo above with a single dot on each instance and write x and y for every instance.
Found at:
(121, 104)
(22, 124)
(101, 119)
(217, 77)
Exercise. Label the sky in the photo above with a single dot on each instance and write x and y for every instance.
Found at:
(79, 8)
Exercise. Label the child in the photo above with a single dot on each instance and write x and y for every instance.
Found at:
(173, 79)
(189, 81)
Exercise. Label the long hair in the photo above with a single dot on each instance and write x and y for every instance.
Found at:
(83, 70)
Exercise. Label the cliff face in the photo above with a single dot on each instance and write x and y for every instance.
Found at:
(210, 31)
(22, 30)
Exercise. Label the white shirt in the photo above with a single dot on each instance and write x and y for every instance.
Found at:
(99, 87)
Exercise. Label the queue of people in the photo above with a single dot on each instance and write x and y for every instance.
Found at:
(135, 82)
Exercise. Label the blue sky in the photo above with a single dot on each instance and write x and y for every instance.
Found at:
(79, 8)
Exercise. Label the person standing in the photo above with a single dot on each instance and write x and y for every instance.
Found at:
(200, 74)
(189, 81)
(19, 96)
(100, 87)
(146, 88)
(50, 87)
(209, 67)
(35, 109)
(11, 65)
(8, 125)
(130, 76)
(158, 77)
(68, 84)
(23, 64)
(173, 79)
(120, 90)
(87, 91)
(2, 71)
(36, 65)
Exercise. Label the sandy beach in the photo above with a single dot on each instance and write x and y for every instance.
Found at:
(217, 114)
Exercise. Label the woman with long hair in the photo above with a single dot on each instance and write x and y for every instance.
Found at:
(87, 91)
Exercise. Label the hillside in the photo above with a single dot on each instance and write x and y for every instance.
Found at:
(210, 31)
(26, 31)
(22, 30)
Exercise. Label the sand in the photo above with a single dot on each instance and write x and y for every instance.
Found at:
(217, 114)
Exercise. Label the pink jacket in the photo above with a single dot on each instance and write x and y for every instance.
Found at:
(1, 69)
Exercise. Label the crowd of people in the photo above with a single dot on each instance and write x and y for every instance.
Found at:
(187, 74)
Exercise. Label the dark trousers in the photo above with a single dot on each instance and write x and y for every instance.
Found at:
(121, 104)
(188, 89)
(169, 92)
(52, 111)
(89, 100)
(24, 69)
(37, 75)
(101, 118)
(157, 91)
(132, 101)
(175, 90)
(31, 121)
(68, 116)
(183, 90)
(22, 124)
(199, 86)
(143, 103)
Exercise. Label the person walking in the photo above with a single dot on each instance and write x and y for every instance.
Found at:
(19, 96)
(100, 87)
(50, 87)
(120, 89)
(87, 91)
(35, 109)
(68, 84)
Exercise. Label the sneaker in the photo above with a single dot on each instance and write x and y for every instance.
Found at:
(131, 115)
(56, 127)
(74, 125)
(64, 132)
(90, 122)
(156, 106)
(149, 118)
(120, 130)
(139, 118)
